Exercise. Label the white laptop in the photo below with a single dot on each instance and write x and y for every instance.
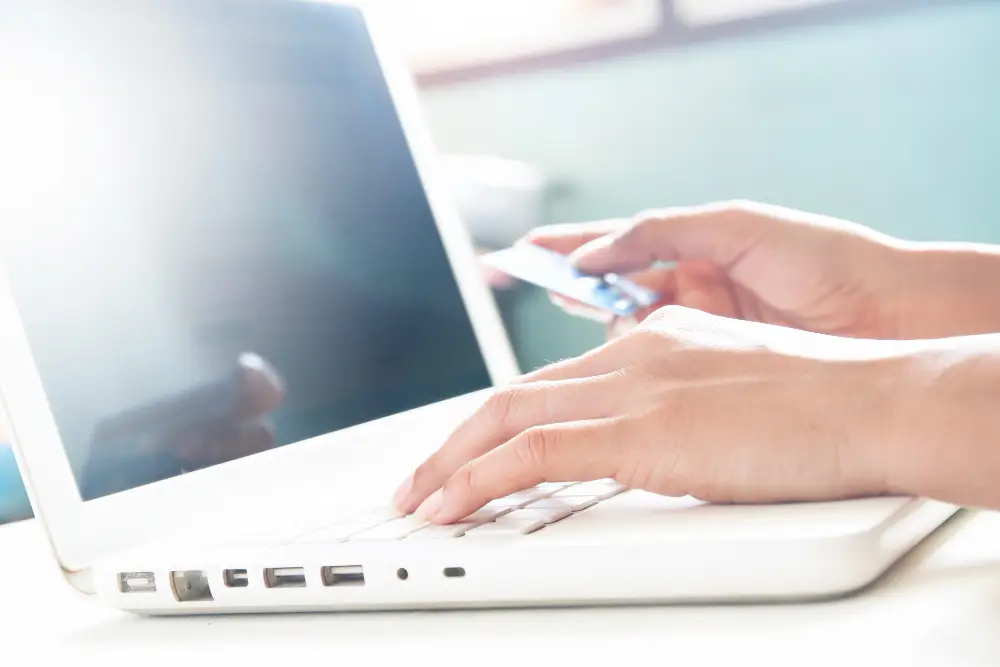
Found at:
(195, 181)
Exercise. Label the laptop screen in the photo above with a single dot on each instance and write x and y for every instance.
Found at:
(216, 235)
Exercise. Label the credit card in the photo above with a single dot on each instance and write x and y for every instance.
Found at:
(551, 271)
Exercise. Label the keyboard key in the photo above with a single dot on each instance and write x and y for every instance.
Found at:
(507, 526)
(552, 487)
(341, 532)
(436, 532)
(485, 516)
(601, 489)
(549, 504)
(379, 514)
(573, 503)
(396, 529)
(488, 514)
(526, 496)
(497, 508)
(546, 515)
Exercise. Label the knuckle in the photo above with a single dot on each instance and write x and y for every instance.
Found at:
(674, 322)
(747, 218)
(464, 480)
(733, 208)
(649, 338)
(426, 473)
(641, 227)
(635, 233)
(645, 339)
(502, 404)
(632, 453)
(533, 450)
(658, 464)
(647, 217)
(673, 314)
(739, 206)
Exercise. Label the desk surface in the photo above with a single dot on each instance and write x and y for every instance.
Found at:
(940, 606)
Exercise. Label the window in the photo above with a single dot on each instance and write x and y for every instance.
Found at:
(697, 13)
(448, 34)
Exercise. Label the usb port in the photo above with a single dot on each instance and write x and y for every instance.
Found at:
(285, 577)
(236, 578)
(343, 575)
(137, 582)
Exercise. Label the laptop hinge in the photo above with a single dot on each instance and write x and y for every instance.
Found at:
(81, 580)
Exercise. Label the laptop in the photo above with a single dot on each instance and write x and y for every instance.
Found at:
(238, 309)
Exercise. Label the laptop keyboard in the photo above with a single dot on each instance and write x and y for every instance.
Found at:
(518, 514)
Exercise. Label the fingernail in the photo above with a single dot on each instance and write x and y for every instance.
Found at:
(430, 507)
(402, 493)
(259, 364)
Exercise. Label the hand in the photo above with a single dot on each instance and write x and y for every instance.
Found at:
(773, 265)
(199, 428)
(239, 432)
(686, 404)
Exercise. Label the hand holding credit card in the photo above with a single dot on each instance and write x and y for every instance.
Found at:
(549, 270)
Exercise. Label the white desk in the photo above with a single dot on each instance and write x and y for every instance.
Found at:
(940, 607)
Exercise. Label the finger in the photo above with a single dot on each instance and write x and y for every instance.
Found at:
(605, 360)
(662, 281)
(261, 388)
(581, 310)
(567, 237)
(699, 286)
(580, 451)
(506, 413)
(719, 233)
(706, 288)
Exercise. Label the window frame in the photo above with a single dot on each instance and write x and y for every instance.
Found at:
(672, 32)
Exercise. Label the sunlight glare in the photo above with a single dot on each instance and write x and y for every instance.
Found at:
(56, 134)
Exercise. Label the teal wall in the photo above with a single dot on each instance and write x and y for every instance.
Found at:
(893, 121)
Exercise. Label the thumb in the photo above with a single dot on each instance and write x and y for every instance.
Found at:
(262, 389)
(704, 287)
(718, 233)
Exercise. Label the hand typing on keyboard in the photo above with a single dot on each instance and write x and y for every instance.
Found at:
(519, 513)
(688, 404)
(723, 406)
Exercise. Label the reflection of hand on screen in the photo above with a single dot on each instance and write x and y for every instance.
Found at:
(204, 426)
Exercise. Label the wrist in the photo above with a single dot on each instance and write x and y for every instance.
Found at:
(942, 422)
(873, 411)
(944, 290)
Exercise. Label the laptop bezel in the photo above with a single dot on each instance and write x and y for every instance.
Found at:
(80, 532)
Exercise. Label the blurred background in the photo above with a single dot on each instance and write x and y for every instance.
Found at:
(881, 111)
(884, 112)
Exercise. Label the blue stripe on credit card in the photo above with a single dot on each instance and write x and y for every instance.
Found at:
(554, 272)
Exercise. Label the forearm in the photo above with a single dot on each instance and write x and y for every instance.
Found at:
(948, 289)
(944, 441)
